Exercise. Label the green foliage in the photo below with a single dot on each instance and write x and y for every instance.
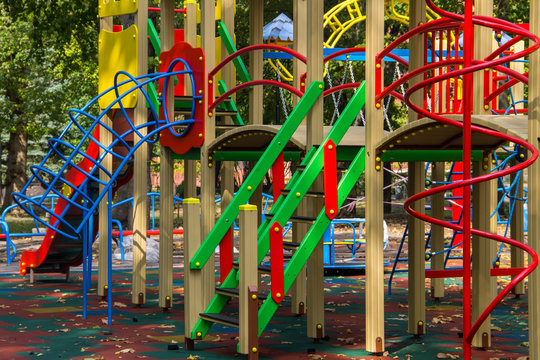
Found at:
(48, 64)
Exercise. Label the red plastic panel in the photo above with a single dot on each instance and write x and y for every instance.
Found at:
(194, 57)
(178, 38)
(278, 176)
(330, 179)
(226, 255)
(276, 262)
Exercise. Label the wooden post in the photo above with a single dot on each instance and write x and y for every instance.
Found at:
(300, 41)
(208, 184)
(315, 264)
(481, 260)
(298, 289)
(256, 24)
(166, 198)
(256, 66)
(374, 186)
(140, 180)
(105, 137)
(437, 232)
(482, 248)
(228, 75)
(517, 232)
(190, 36)
(417, 237)
(248, 273)
(193, 279)
(518, 90)
(534, 186)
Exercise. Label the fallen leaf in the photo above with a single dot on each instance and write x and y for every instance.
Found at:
(125, 351)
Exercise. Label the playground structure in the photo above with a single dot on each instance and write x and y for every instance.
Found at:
(113, 148)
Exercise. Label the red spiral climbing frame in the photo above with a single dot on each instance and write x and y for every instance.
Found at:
(463, 68)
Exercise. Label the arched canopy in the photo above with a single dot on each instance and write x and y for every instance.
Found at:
(249, 141)
(428, 140)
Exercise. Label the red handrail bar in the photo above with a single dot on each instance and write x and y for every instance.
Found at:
(344, 52)
(504, 87)
(237, 88)
(229, 58)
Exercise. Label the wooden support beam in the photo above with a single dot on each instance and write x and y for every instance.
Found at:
(417, 260)
(256, 24)
(300, 41)
(417, 300)
(190, 36)
(208, 185)
(298, 289)
(193, 279)
(481, 256)
(534, 185)
(518, 90)
(437, 232)
(166, 189)
(248, 273)
(140, 168)
(315, 264)
(105, 137)
(256, 66)
(374, 186)
(482, 248)
(228, 75)
(517, 232)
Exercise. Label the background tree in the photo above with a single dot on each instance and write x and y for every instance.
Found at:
(48, 63)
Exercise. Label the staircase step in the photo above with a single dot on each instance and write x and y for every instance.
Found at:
(317, 194)
(291, 245)
(339, 168)
(218, 112)
(262, 268)
(300, 219)
(235, 293)
(221, 319)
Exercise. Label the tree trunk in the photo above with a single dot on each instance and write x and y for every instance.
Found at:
(16, 164)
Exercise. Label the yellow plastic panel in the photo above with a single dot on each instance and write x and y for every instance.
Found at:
(117, 7)
(118, 51)
(218, 10)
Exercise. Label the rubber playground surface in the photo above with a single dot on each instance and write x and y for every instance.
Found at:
(44, 321)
